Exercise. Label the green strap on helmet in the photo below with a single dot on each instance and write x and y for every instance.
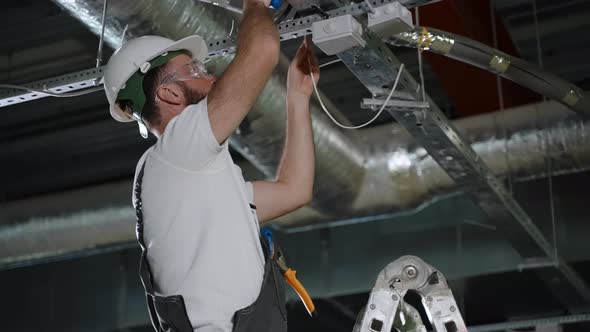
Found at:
(133, 89)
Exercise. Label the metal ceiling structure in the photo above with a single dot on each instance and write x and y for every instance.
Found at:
(383, 176)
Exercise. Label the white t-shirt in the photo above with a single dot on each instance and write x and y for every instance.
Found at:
(201, 234)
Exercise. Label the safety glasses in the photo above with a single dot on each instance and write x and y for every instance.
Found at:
(190, 70)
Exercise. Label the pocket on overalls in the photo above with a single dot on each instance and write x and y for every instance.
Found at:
(280, 282)
(268, 312)
(172, 313)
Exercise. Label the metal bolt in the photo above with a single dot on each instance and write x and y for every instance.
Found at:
(453, 308)
(429, 298)
(394, 297)
(372, 306)
(410, 271)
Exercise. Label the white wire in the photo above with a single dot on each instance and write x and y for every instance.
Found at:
(49, 93)
(420, 67)
(538, 36)
(123, 35)
(548, 157)
(315, 88)
(101, 40)
(329, 63)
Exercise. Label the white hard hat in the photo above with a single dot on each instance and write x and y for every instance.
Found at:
(134, 54)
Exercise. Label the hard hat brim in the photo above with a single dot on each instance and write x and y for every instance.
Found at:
(194, 44)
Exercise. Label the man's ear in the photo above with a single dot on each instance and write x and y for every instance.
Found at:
(171, 94)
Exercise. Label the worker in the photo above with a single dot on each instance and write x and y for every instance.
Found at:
(204, 265)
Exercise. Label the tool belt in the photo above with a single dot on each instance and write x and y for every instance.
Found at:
(168, 313)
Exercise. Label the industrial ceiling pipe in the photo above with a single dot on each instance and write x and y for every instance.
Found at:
(482, 56)
(517, 143)
(400, 176)
(378, 170)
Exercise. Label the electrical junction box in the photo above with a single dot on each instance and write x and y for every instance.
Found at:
(390, 19)
(337, 34)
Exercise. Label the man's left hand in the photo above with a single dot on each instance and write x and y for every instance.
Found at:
(299, 81)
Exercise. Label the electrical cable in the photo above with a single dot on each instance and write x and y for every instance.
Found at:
(420, 69)
(123, 34)
(548, 160)
(315, 88)
(496, 46)
(537, 35)
(53, 94)
(329, 63)
(101, 41)
(77, 93)
(500, 91)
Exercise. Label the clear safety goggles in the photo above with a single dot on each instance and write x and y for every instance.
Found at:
(190, 70)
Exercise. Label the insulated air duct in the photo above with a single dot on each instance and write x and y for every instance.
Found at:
(400, 176)
(517, 143)
(362, 173)
(482, 56)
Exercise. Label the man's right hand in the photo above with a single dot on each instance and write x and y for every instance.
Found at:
(299, 80)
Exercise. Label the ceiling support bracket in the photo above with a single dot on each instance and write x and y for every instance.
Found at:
(376, 67)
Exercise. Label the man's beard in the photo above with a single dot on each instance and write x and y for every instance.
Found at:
(193, 97)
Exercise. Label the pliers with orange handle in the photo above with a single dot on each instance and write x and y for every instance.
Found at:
(291, 277)
(289, 274)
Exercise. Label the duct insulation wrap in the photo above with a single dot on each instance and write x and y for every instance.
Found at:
(260, 138)
(517, 142)
(359, 173)
(482, 56)
(400, 177)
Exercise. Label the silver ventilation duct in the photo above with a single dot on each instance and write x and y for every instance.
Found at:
(399, 177)
(378, 170)
(261, 136)
(517, 142)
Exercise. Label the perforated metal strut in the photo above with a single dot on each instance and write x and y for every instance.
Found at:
(61, 84)
(302, 26)
(92, 77)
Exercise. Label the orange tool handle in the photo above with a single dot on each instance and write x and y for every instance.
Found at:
(300, 290)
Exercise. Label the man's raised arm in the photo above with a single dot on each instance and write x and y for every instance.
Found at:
(257, 55)
(293, 186)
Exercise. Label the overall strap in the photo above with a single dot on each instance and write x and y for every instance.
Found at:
(144, 268)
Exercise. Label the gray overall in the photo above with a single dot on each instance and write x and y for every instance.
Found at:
(168, 313)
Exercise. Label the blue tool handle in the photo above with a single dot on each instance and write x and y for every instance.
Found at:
(268, 234)
(276, 4)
